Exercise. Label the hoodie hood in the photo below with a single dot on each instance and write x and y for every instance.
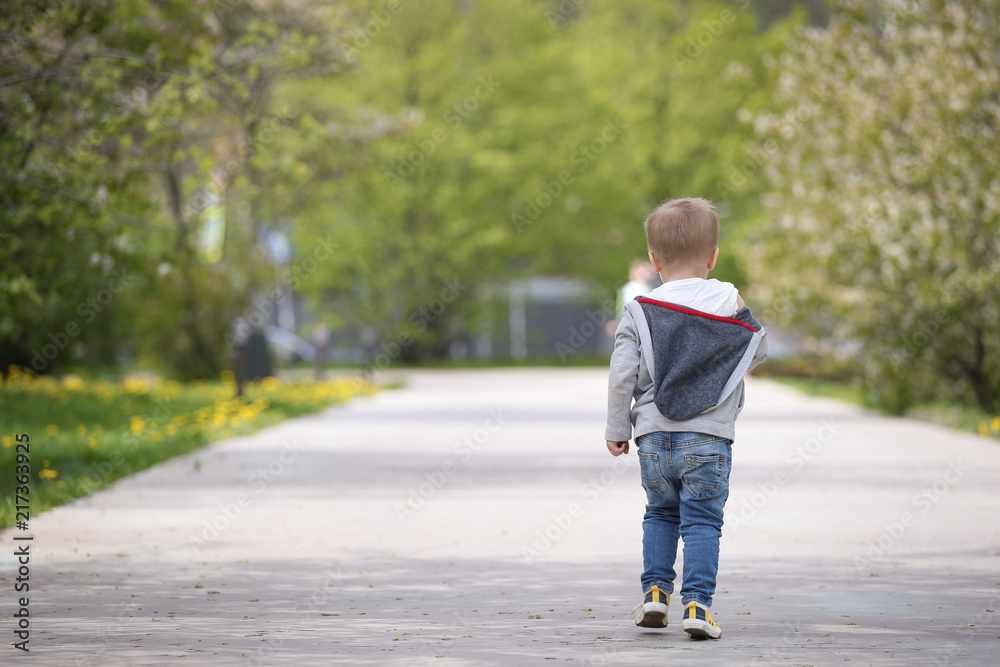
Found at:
(696, 359)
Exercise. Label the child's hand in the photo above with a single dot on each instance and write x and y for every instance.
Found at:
(618, 448)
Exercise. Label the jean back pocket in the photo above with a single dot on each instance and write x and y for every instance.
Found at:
(703, 474)
(652, 476)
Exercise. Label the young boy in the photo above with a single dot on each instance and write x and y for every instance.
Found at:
(681, 352)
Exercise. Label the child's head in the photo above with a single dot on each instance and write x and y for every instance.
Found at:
(640, 270)
(683, 234)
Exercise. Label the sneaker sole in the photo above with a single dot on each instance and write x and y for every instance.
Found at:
(700, 629)
(652, 615)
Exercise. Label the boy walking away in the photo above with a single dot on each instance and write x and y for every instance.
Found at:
(676, 384)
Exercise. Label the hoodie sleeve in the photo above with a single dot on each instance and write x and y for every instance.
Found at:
(622, 379)
(761, 353)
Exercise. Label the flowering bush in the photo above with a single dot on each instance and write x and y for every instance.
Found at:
(882, 238)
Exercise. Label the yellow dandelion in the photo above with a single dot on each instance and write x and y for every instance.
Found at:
(170, 429)
(8, 441)
(72, 383)
(136, 424)
(984, 428)
(270, 383)
(51, 429)
(92, 442)
(136, 385)
(81, 429)
(995, 424)
(45, 473)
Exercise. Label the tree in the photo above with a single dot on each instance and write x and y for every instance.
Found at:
(66, 114)
(220, 158)
(509, 141)
(416, 154)
(115, 121)
(882, 226)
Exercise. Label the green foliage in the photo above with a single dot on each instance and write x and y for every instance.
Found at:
(124, 126)
(421, 156)
(883, 220)
(63, 117)
(508, 140)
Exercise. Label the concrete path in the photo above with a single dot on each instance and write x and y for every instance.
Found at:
(475, 518)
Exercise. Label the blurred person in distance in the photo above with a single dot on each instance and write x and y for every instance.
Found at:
(642, 279)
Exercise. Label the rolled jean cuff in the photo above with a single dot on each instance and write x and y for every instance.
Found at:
(666, 588)
(686, 600)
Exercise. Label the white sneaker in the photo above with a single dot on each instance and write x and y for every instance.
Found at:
(653, 610)
(698, 622)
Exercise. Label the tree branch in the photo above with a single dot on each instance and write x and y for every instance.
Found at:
(124, 218)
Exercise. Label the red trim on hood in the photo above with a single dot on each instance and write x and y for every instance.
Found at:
(691, 311)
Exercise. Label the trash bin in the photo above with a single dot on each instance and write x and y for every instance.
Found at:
(253, 361)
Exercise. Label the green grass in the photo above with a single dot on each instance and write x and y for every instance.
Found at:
(959, 417)
(85, 434)
(827, 388)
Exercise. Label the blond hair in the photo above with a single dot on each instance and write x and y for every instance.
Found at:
(682, 230)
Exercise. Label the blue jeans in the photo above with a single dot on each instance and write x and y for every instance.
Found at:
(686, 478)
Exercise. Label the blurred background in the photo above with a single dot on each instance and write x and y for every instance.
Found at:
(363, 185)
(218, 215)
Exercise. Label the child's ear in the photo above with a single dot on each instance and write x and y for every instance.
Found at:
(715, 258)
(655, 262)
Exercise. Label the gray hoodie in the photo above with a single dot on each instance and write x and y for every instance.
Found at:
(683, 368)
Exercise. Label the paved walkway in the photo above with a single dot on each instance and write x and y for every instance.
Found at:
(475, 518)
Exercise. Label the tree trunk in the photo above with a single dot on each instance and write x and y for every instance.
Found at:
(976, 373)
(204, 365)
